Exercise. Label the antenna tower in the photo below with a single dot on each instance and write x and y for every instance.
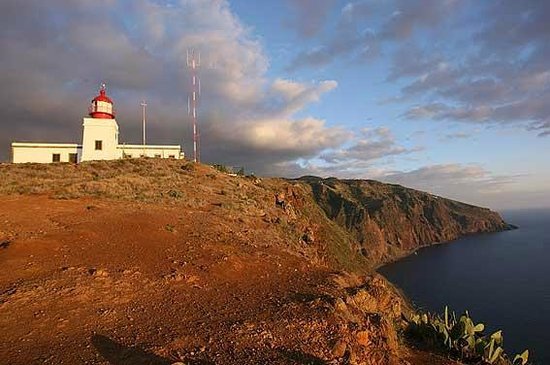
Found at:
(193, 63)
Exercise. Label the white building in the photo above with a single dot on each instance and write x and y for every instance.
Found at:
(99, 141)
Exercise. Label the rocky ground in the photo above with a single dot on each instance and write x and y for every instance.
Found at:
(153, 262)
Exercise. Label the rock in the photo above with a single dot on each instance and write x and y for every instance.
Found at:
(308, 237)
(280, 200)
(363, 338)
(350, 357)
(98, 273)
(339, 348)
(5, 243)
(102, 273)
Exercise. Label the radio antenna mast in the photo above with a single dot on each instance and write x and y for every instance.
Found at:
(193, 63)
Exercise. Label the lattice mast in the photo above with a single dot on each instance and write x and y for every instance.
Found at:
(193, 63)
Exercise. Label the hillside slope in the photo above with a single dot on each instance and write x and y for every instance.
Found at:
(152, 262)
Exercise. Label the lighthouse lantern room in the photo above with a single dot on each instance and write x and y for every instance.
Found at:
(99, 141)
(102, 106)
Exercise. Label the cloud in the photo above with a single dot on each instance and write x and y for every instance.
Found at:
(463, 61)
(458, 135)
(309, 15)
(409, 60)
(349, 39)
(533, 114)
(262, 145)
(357, 38)
(411, 15)
(55, 55)
(288, 97)
(362, 156)
(500, 77)
(373, 144)
(464, 182)
(445, 176)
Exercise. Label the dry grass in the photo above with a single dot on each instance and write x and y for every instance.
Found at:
(136, 179)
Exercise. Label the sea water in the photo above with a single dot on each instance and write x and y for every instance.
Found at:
(502, 279)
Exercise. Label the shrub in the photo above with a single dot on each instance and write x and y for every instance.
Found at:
(222, 168)
(462, 338)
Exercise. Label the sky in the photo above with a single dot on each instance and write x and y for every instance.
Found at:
(446, 96)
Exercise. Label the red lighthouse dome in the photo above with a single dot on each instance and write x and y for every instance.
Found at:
(102, 106)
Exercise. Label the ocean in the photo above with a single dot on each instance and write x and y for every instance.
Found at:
(502, 279)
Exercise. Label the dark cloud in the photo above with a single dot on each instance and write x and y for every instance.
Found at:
(411, 15)
(409, 60)
(55, 54)
(349, 39)
(310, 15)
(357, 38)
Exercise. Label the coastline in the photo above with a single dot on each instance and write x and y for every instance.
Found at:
(510, 227)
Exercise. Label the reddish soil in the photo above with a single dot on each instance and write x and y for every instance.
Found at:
(92, 281)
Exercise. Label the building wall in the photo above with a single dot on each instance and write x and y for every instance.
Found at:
(135, 151)
(43, 152)
(104, 130)
(95, 129)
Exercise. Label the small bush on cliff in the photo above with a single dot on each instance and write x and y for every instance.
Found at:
(462, 338)
(222, 168)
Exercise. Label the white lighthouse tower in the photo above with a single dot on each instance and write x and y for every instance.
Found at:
(100, 132)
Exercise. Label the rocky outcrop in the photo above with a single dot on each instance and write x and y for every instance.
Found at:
(388, 221)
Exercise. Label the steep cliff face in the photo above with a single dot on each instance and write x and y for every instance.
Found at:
(387, 221)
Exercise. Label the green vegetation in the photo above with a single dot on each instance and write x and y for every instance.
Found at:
(462, 338)
(222, 168)
(239, 171)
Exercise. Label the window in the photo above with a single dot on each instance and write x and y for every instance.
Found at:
(73, 157)
(98, 145)
(56, 157)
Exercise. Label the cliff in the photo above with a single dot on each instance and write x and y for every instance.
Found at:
(388, 221)
(155, 261)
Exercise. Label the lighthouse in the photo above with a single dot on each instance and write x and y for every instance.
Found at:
(99, 141)
(102, 105)
(100, 130)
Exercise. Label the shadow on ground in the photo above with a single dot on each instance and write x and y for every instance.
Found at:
(118, 354)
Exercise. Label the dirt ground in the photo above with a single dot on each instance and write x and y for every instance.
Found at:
(94, 281)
